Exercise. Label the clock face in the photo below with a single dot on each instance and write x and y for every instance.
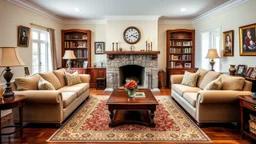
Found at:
(131, 35)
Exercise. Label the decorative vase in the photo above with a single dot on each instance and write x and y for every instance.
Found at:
(131, 93)
(232, 69)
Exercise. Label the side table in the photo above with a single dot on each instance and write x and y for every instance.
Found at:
(18, 101)
(247, 106)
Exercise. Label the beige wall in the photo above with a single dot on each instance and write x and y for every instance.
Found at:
(11, 16)
(162, 28)
(231, 19)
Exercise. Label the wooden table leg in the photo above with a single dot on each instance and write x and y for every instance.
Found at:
(21, 120)
(152, 115)
(111, 115)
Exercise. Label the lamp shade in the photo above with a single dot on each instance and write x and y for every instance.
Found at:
(212, 53)
(69, 54)
(9, 57)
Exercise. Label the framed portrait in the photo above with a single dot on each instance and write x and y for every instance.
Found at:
(249, 71)
(253, 73)
(241, 69)
(187, 65)
(99, 47)
(228, 43)
(247, 40)
(23, 36)
(85, 64)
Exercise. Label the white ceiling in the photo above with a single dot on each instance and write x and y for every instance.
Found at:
(99, 9)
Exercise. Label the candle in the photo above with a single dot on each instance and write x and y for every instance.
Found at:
(116, 45)
(151, 45)
(113, 46)
(146, 45)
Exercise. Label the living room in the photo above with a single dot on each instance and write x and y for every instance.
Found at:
(109, 25)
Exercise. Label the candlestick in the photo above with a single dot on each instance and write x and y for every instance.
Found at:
(116, 46)
(146, 45)
(151, 46)
(113, 46)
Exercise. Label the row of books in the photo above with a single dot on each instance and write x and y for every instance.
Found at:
(179, 50)
(70, 44)
(81, 53)
(180, 43)
(180, 65)
(84, 37)
(181, 57)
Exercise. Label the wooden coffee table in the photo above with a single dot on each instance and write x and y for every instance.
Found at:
(125, 110)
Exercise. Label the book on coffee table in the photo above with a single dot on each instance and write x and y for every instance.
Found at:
(140, 95)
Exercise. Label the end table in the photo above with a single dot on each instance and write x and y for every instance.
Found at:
(18, 101)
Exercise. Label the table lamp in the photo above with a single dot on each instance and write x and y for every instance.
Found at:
(212, 53)
(9, 58)
(69, 54)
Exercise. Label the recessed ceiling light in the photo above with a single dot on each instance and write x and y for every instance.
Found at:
(77, 9)
(183, 9)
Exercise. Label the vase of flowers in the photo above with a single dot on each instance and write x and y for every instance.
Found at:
(131, 86)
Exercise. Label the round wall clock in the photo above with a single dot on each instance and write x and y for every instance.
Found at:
(131, 35)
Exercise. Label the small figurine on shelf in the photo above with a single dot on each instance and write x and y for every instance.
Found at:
(102, 63)
(132, 48)
(94, 64)
(120, 49)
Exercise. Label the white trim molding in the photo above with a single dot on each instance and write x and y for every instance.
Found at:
(29, 6)
(133, 17)
(70, 21)
(176, 21)
(221, 8)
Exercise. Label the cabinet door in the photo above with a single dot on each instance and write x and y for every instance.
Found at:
(101, 73)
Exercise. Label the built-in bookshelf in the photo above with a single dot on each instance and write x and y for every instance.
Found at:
(79, 41)
(180, 51)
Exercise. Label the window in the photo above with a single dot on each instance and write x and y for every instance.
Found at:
(40, 51)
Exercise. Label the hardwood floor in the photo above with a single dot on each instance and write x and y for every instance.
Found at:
(39, 133)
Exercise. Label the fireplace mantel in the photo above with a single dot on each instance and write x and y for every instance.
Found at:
(111, 54)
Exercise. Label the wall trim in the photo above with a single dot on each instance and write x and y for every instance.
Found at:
(133, 17)
(29, 6)
(174, 21)
(221, 8)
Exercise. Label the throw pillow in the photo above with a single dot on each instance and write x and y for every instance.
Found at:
(27, 83)
(72, 79)
(190, 79)
(214, 85)
(45, 85)
(50, 77)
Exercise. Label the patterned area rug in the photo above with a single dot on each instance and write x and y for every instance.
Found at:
(90, 123)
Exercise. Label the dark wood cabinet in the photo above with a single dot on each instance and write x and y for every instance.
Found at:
(180, 52)
(94, 72)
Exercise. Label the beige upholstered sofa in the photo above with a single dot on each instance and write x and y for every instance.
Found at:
(211, 106)
(50, 106)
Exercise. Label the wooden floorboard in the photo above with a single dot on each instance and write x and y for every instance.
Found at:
(38, 133)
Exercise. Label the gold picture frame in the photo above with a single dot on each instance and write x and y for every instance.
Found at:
(23, 36)
(228, 43)
(247, 37)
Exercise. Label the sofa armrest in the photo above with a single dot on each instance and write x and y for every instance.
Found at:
(220, 96)
(85, 78)
(176, 79)
(41, 96)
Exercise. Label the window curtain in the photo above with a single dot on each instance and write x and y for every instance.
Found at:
(53, 48)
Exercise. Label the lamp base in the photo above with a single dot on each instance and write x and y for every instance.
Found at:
(8, 94)
(212, 64)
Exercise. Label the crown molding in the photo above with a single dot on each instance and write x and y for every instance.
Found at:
(133, 17)
(221, 8)
(34, 8)
(85, 21)
(175, 21)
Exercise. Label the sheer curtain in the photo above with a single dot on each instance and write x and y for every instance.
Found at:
(53, 50)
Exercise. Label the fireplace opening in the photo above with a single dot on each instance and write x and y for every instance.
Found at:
(134, 72)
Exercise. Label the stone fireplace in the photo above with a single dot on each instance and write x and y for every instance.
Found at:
(143, 67)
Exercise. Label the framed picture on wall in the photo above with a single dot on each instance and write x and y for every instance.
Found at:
(228, 43)
(99, 47)
(23, 36)
(247, 37)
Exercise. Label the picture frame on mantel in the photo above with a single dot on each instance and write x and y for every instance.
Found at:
(228, 43)
(23, 36)
(247, 37)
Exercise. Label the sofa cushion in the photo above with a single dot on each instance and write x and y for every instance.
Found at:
(78, 88)
(50, 77)
(190, 79)
(45, 85)
(180, 89)
(72, 79)
(209, 77)
(68, 97)
(214, 85)
(190, 98)
(202, 73)
(60, 74)
(27, 83)
(232, 82)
